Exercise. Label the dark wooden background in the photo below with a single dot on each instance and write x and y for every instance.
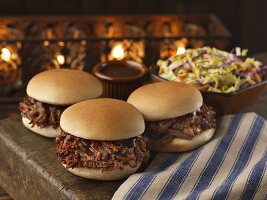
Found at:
(246, 19)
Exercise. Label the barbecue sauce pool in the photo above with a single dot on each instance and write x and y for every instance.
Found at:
(120, 70)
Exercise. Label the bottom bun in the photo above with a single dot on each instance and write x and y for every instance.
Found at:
(97, 174)
(47, 131)
(181, 145)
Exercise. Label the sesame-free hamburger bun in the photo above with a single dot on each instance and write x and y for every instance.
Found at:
(50, 92)
(103, 119)
(97, 174)
(165, 100)
(48, 131)
(107, 127)
(181, 145)
(170, 103)
(63, 87)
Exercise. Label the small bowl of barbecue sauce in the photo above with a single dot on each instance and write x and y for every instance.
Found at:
(120, 77)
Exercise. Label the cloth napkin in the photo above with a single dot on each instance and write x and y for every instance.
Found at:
(231, 166)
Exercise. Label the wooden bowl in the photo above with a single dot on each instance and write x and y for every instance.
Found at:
(225, 103)
(120, 77)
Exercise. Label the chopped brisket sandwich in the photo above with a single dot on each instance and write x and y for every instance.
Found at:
(50, 92)
(101, 139)
(176, 118)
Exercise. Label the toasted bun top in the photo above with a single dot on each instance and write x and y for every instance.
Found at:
(165, 100)
(63, 86)
(102, 119)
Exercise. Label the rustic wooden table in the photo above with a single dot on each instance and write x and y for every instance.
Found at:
(4, 195)
(6, 110)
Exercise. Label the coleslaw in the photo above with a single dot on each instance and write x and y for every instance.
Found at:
(213, 70)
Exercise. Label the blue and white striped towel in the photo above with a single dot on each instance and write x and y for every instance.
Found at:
(231, 166)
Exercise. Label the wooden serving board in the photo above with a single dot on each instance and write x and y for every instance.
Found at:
(29, 169)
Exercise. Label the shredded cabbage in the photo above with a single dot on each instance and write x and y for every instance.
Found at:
(213, 70)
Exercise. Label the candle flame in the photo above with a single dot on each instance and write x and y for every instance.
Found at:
(60, 59)
(6, 54)
(180, 50)
(83, 42)
(46, 43)
(61, 43)
(181, 46)
(118, 51)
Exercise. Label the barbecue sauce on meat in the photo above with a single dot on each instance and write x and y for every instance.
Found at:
(39, 113)
(184, 127)
(103, 155)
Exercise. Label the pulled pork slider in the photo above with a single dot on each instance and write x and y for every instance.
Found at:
(175, 116)
(50, 92)
(101, 139)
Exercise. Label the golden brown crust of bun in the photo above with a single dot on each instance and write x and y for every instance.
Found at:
(63, 86)
(181, 145)
(165, 100)
(97, 174)
(46, 131)
(102, 119)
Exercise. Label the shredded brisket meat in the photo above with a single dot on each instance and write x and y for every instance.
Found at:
(184, 127)
(40, 114)
(103, 155)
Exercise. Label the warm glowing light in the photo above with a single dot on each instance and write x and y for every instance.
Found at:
(180, 50)
(83, 42)
(60, 59)
(61, 43)
(181, 46)
(46, 43)
(6, 54)
(118, 51)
